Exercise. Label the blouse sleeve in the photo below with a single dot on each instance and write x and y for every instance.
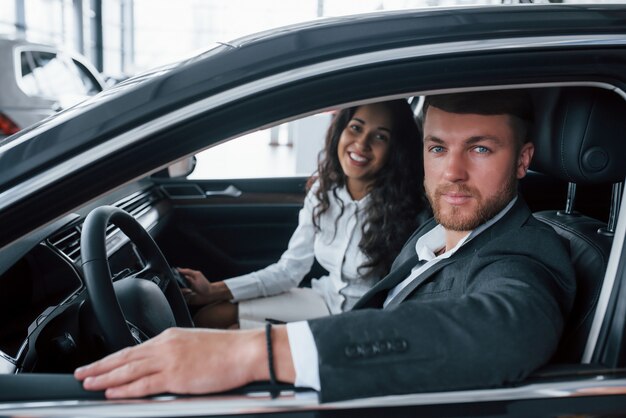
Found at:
(289, 271)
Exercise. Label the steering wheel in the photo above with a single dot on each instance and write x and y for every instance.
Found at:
(136, 307)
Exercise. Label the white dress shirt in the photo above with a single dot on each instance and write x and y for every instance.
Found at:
(335, 245)
(301, 341)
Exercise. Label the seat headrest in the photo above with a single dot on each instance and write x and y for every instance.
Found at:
(586, 141)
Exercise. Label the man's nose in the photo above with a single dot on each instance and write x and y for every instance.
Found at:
(456, 168)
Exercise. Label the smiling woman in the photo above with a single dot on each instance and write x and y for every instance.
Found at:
(112, 151)
(363, 147)
(364, 200)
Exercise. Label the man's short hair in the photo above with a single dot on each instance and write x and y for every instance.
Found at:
(515, 103)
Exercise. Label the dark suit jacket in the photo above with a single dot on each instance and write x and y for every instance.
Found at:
(490, 314)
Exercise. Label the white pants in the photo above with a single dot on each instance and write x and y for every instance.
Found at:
(297, 304)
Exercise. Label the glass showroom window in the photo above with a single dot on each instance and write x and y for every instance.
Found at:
(44, 20)
(8, 21)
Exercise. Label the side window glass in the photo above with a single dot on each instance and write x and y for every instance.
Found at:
(46, 70)
(286, 150)
(57, 79)
(28, 82)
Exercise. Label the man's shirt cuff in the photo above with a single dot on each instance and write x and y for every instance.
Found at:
(304, 355)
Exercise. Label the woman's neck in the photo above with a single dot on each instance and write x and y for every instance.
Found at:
(357, 189)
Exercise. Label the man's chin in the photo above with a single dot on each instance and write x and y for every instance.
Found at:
(461, 225)
(456, 220)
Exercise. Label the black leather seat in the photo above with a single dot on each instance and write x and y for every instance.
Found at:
(582, 140)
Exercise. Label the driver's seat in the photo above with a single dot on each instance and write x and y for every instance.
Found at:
(582, 140)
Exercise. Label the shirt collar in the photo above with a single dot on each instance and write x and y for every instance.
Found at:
(344, 195)
(427, 245)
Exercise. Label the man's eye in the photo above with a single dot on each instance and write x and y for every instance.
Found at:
(436, 149)
(482, 150)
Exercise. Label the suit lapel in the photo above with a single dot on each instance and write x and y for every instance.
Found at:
(513, 219)
(376, 296)
(418, 281)
(373, 297)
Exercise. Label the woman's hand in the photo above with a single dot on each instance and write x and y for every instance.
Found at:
(197, 282)
(201, 290)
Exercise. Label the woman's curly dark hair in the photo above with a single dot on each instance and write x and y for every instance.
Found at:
(396, 195)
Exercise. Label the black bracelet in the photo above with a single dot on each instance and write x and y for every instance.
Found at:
(274, 391)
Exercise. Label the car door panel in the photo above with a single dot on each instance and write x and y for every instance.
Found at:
(225, 234)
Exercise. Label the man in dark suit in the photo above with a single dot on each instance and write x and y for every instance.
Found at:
(476, 298)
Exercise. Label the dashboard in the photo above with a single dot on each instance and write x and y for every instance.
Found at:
(45, 320)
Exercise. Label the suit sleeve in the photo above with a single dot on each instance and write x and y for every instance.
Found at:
(504, 323)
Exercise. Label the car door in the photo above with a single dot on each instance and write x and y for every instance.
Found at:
(237, 210)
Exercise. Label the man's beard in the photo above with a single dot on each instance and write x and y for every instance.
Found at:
(455, 220)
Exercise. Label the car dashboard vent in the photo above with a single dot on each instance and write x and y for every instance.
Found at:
(141, 205)
(138, 204)
(68, 242)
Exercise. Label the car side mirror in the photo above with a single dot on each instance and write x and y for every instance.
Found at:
(182, 168)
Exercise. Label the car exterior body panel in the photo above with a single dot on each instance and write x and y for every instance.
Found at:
(537, 400)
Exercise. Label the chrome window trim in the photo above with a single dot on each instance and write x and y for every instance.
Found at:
(607, 285)
(260, 402)
(30, 186)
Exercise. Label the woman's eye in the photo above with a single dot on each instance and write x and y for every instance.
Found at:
(381, 137)
(355, 128)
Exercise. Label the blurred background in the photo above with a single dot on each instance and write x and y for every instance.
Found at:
(123, 37)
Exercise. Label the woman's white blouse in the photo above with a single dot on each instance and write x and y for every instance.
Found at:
(336, 247)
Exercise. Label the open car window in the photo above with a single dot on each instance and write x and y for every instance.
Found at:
(286, 150)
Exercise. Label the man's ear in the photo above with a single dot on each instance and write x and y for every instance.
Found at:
(524, 158)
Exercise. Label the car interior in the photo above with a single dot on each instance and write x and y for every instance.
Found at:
(577, 150)
(49, 320)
